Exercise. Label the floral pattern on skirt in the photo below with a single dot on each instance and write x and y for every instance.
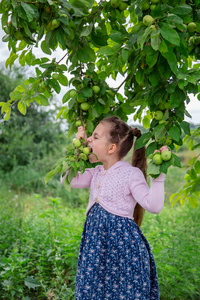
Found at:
(115, 260)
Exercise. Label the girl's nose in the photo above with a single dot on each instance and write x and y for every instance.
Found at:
(89, 139)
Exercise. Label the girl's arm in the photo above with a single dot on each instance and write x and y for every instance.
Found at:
(151, 199)
(81, 180)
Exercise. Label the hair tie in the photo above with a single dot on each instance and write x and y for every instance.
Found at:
(136, 132)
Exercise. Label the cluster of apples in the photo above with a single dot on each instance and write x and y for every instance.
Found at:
(81, 151)
(119, 4)
(84, 105)
(164, 154)
(55, 23)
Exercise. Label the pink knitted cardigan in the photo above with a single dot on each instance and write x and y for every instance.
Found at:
(119, 188)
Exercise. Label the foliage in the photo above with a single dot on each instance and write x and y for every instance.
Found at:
(154, 48)
(25, 138)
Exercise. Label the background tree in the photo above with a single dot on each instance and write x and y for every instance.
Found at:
(25, 138)
(154, 45)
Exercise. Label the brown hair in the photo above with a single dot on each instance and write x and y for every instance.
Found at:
(122, 135)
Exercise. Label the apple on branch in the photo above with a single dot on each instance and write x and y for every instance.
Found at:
(158, 115)
(147, 20)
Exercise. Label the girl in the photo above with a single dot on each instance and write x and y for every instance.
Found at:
(115, 260)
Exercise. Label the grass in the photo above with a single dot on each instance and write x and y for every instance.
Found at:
(41, 230)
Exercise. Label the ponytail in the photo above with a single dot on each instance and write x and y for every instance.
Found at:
(139, 160)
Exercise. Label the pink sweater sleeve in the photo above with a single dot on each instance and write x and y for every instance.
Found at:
(151, 199)
(81, 180)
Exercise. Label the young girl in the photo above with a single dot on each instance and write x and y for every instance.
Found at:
(115, 260)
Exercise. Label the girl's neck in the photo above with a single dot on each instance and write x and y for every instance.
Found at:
(110, 163)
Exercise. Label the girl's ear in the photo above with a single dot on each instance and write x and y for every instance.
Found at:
(112, 148)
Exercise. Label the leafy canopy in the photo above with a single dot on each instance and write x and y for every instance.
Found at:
(155, 47)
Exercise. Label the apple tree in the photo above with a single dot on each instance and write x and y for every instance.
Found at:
(154, 46)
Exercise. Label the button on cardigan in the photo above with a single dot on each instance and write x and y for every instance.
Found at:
(119, 188)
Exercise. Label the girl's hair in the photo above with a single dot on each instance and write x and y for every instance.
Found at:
(122, 135)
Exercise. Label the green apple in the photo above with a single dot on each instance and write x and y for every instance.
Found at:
(157, 159)
(191, 27)
(196, 40)
(79, 99)
(96, 89)
(76, 143)
(55, 23)
(162, 122)
(115, 3)
(168, 141)
(161, 106)
(152, 6)
(145, 5)
(48, 9)
(83, 156)
(41, 87)
(154, 1)
(167, 105)
(158, 115)
(18, 35)
(85, 106)
(86, 150)
(55, 76)
(72, 93)
(78, 123)
(166, 155)
(123, 5)
(147, 20)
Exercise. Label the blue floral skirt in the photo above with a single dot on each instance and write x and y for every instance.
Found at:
(115, 260)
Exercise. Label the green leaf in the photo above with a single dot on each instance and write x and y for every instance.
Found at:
(87, 30)
(163, 47)
(87, 92)
(141, 142)
(117, 36)
(151, 148)
(197, 166)
(66, 97)
(143, 38)
(107, 50)
(30, 11)
(7, 114)
(139, 76)
(146, 122)
(21, 107)
(193, 201)
(125, 55)
(31, 282)
(182, 9)
(63, 80)
(153, 169)
(155, 43)
(152, 59)
(170, 34)
(186, 127)
(175, 133)
(45, 48)
(175, 161)
(164, 166)
(11, 59)
(43, 100)
(50, 174)
(15, 95)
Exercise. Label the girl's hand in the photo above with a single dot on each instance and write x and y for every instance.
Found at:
(81, 134)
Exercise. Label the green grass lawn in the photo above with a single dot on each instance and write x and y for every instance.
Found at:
(40, 236)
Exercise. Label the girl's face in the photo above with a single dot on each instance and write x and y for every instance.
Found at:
(100, 144)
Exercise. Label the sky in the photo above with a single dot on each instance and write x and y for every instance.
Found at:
(193, 107)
